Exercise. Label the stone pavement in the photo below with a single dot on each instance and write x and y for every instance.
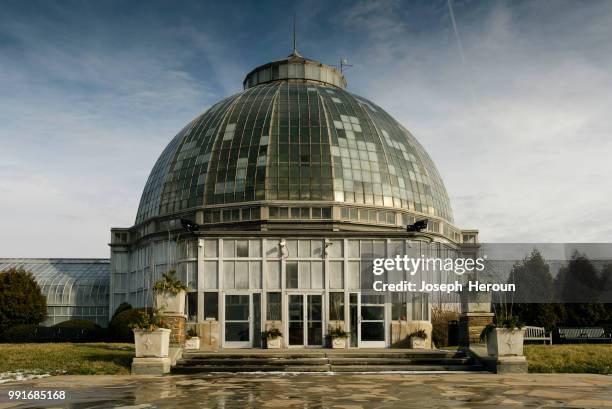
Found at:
(307, 391)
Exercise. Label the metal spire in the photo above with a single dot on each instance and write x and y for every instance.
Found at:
(295, 52)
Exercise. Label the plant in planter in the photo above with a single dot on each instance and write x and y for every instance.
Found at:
(170, 293)
(151, 337)
(272, 337)
(192, 340)
(338, 337)
(417, 339)
(504, 337)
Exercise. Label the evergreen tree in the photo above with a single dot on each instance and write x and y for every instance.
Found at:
(21, 300)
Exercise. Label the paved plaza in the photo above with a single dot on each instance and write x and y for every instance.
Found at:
(307, 391)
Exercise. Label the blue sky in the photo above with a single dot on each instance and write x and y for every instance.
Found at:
(516, 114)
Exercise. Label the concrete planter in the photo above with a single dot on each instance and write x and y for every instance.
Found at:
(170, 303)
(192, 343)
(472, 301)
(152, 344)
(274, 343)
(417, 343)
(505, 342)
(338, 343)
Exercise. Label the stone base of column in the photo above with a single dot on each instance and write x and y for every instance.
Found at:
(471, 325)
(176, 323)
(151, 366)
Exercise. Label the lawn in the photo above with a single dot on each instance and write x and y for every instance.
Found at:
(71, 359)
(579, 358)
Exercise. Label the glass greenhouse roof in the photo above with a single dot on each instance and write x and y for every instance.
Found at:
(290, 140)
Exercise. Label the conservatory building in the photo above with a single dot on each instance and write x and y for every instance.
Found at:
(293, 187)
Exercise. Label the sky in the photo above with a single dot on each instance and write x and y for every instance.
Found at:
(513, 103)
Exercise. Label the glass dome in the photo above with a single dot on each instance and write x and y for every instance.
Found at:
(294, 135)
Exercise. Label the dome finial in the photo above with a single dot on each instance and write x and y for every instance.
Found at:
(295, 52)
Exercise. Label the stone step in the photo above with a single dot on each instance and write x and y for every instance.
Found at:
(323, 361)
(190, 369)
(405, 368)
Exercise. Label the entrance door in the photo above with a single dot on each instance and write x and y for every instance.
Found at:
(238, 327)
(371, 321)
(305, 326)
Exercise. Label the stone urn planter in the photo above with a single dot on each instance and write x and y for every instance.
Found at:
(338, 343)
(273, 338)
(505, 342)
(170, 303)
(417, 342)
(192, 343)
(274, 343)
(475, 301)
(152, 344)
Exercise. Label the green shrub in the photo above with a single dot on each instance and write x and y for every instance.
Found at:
(21, 301)
(120, 327)
(82, 324)
(124, 306)
(21, 333)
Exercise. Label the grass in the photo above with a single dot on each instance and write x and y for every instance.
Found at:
(71, 359)
(579, 358)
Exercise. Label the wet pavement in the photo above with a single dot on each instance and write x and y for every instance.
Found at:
(307, 391)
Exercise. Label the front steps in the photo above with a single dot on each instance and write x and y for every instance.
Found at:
(325, 361)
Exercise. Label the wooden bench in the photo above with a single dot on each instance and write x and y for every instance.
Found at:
(537, 334)
(583, 335)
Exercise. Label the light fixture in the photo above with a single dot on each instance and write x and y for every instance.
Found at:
(417, 226)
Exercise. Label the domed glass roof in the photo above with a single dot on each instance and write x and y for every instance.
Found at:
(294, 135)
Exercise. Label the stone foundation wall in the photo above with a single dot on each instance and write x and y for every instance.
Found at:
(401, 330)
(209, 334)
(176, 324)
(471, 325)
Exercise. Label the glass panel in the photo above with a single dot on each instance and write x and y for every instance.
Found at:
(292, 274)
(254, 248)
(274, 307)
(315, 324)
(372, 313)
(236, 307)
(228, 275)
(255, 271)
(237, 331)
(241, 274)
(316, 274)
(242, 248)
(210, 248)
(192, 306)
(210, 274)
(354, 313)
(335, 250)
(211, 306)
(273, 274)
(296, 320)
(228, 248)
(304, 248)
(272, 248)
(353, 248)
(372, 331)
(257, 320)
(336, 306)
(304, 274)
(336, 274)
(353, 274)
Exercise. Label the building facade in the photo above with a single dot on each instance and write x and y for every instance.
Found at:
(295, 185)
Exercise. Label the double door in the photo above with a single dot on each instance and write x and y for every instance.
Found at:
(305, 320)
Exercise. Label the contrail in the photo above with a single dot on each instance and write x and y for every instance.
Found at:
(457, 36)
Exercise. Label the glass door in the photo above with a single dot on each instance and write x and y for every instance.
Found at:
(372, 321)
(305, 326)
(296, 319)
(238, 329)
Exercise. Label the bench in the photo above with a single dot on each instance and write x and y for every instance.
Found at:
(537, 334)
(584, 335)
